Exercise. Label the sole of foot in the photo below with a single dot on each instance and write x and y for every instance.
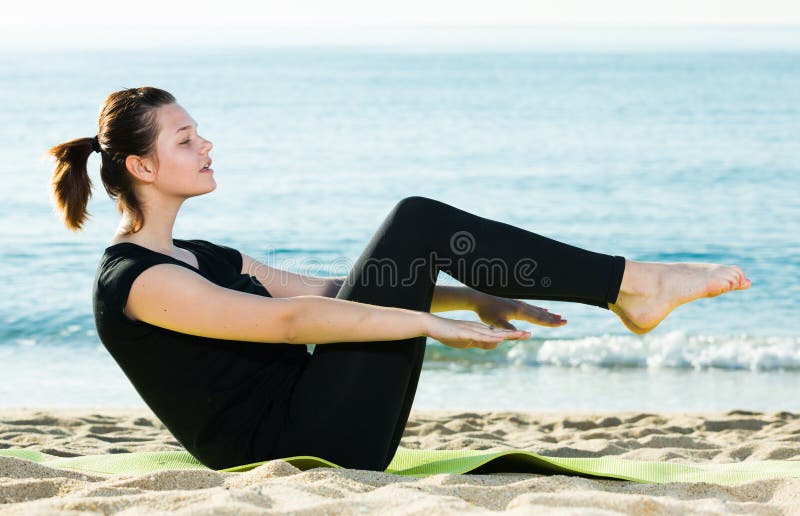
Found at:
(659, 288)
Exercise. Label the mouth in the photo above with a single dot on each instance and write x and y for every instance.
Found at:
(207, 167)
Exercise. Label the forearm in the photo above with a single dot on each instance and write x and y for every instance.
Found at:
(322, 320)
(332, 286)
(446, 298)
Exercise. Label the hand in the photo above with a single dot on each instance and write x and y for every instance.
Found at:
(468, 334)
(498, 311)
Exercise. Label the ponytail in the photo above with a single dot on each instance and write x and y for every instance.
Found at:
(127, 125)
(71, 186)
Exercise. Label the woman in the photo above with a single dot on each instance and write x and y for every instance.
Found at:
(214, 341)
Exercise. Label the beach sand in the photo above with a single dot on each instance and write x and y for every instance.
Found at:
(277, 487)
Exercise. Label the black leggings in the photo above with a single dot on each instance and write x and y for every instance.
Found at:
(351, 402)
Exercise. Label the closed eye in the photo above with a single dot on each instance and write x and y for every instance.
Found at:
(187, 141)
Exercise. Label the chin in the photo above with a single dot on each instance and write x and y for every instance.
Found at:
(211, 189)
(204, 191)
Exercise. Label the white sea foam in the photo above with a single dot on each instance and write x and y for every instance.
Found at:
(670, 350)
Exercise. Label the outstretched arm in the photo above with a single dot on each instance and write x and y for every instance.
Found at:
(448, 297)
(282, 283)
(177, 299)
(491, 309)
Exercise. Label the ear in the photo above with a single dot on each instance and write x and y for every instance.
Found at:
(141, 168)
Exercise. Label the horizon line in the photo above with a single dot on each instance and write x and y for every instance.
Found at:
(412, 25)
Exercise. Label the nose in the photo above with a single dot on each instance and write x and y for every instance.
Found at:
(208, 145)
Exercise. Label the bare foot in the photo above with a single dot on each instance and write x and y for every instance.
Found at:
(651, 290)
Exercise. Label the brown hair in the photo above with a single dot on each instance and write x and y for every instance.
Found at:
(127, 125)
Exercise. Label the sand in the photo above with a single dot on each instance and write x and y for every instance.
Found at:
(278, 487)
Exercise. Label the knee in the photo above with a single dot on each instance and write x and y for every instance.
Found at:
(415, 202)
(416, 208)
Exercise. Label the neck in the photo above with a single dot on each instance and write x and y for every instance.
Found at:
(156, 233)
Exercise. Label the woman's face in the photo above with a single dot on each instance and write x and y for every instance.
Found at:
(182, 154)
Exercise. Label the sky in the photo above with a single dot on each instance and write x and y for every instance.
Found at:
(50, 24)
(408, 12)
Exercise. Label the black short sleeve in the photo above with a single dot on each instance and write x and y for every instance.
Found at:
(233, 255)
(229, 254)
(114, 282)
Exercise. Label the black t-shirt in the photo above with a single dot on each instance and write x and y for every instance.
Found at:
(211, 394)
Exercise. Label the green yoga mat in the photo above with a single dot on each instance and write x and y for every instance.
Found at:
(422, 463)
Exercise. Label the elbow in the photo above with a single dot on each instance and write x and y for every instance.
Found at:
(291, 337)
(292, 320)
(296, 320)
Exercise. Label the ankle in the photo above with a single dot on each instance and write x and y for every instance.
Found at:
(639, 279)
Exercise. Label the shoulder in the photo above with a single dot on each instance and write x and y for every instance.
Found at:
(118, 269)
(122, 256)
(122, 263)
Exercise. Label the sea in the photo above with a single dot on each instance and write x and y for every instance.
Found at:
(656, 154)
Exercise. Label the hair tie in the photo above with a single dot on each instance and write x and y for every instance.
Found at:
(96, 144)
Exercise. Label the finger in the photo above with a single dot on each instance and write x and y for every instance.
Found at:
(522, 335)
(516, 335)
(555, 322)
(491, 336)
(486, 344)
(505, 325)
(537, 310)
(487, 330)
(545, 318)
(498, 335)
(504, 332)
(492, 344)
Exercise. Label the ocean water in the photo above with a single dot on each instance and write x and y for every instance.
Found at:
(657, 156)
